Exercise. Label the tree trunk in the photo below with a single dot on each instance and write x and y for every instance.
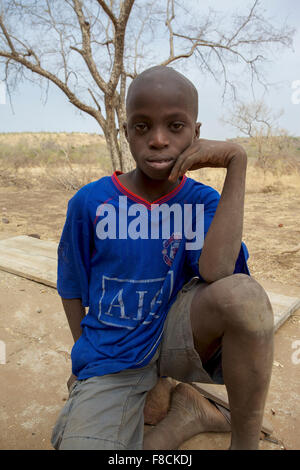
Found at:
(118, 148)
(126, 157)
(111, 134)
(113, 147)
(127, 161)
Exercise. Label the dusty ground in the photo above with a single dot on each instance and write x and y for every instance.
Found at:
(38, 341)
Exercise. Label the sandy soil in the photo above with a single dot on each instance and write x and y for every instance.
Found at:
(38, 341)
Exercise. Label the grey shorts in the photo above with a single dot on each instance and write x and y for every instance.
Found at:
(106, 413)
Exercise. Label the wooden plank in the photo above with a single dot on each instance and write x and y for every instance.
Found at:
(37, 260)
(35, 245)
(283, 307)
(31, 258)
(218, 393)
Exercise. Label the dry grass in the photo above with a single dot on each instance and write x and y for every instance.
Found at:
(258, 181)
(69, 161)
(33, 139)
(66, 161)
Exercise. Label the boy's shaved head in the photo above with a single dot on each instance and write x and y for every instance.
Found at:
(160, 77)
(162, 109)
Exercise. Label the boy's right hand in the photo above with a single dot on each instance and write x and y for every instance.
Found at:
(71, 380)
(204, 153)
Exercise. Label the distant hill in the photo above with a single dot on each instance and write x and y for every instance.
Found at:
(60, 138)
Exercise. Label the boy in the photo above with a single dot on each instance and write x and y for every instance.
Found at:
(161, 304)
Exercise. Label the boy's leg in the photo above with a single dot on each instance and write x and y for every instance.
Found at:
(235, 312)
(106, 413)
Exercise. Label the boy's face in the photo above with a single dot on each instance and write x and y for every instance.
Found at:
(161, 124)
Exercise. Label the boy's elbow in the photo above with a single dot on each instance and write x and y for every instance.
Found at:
(72, 301)
(212, 274)
(209, 278)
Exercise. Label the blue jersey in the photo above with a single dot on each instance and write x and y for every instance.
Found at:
(127, 259)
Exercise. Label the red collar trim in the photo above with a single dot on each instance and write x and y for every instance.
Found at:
(139, 199)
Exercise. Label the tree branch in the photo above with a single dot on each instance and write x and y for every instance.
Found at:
(86, 51)
(7, 37)
(119, 42)
(243, 25)
(108, 12)
(54, 79)
(169, 26)
(180, 56)
(94, 99)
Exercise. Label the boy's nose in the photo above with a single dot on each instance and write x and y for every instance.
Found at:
(158, 139)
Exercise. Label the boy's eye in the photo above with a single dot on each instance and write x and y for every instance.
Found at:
(141, 127)
(177, 126)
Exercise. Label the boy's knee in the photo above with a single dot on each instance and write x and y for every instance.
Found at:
(244, 304)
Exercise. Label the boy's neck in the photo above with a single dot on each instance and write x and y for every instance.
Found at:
(143, 186)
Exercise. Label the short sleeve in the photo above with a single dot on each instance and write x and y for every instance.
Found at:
(74, 250)
(241, 263)
(210, 198)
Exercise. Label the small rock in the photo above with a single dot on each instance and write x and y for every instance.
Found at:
(276, 363)
(273, 411)
(34, 235)
(5, 220)
(38, 310)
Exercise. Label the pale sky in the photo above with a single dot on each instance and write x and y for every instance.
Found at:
(57, 115)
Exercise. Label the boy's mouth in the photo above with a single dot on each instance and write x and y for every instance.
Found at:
(160, 163)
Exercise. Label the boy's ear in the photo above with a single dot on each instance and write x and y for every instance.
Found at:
(125, 130)
(197, 129)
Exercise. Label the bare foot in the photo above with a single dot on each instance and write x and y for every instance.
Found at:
(190, 414)
(158, 401)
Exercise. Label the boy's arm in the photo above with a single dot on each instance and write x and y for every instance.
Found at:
(75, 312)
(73, 262)
(223, 240)
(224, 237)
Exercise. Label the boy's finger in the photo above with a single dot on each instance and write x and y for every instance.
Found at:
(176, 170)
(185, 164)
(188, 163)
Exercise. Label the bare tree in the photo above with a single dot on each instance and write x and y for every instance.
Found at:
(259, 122)
(252, 119)
(90, 49)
